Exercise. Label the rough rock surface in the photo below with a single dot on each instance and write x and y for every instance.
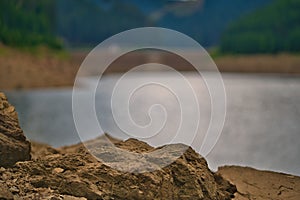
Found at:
(13, 145)
(72, 173)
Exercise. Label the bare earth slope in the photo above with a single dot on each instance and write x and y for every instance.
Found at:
(256, 184)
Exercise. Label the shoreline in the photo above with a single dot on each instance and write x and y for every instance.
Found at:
(21, 70)
(72, 173)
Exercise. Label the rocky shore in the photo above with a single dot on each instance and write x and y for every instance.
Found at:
(38, 171)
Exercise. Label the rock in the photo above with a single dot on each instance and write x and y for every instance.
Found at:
(58, 170)
(13, 145)
(5, 193)
(79, 189)
(14, 189)
(67, 197)
(84, 177)
(41, 150)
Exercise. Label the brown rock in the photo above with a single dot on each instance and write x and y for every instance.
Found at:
(5, 193)
(13, 145)
(85, 177)
(67, 197)
(58, 170)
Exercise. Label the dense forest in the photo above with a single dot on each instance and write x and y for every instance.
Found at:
(274, 28)
(208, 22)
(89, 22)
(77, 23)
(244, 26)
(54, 23)
(26, 23)
(92, 21)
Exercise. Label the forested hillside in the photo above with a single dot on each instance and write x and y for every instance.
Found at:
(210, 19)
(92, 21)
(77, 23)
(274, 28)
(89, 22)
(28, 23)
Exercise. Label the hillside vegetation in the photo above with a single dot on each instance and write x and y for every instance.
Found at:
(89, 22)
(80, 23)
(28, 23)
(272, 29)
(92, 21)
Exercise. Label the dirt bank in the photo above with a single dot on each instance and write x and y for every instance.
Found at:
(256, 184)
(22, 70)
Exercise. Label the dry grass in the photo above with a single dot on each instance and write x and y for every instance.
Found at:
(281, 63)
(20, 69)
(261, 63)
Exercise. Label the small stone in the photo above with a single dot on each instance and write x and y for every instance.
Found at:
(55, 198)
(67, 197)
(58, 170)
(2, 170)
(10, 109)
(14, 189)
(5, 177)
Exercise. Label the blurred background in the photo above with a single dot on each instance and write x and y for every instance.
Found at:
(255, 44)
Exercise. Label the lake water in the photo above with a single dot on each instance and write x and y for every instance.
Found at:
(262, 126)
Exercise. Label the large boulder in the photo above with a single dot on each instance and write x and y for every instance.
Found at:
(73, 173)
(13, 144)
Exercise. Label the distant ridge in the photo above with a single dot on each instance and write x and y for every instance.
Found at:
(78, 23)
(272, 29)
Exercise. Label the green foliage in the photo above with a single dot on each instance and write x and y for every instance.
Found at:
(274, 28)
(31, 23)
(84, 22)
(28, 23)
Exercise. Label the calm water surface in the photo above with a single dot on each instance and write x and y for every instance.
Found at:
(262, 127)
